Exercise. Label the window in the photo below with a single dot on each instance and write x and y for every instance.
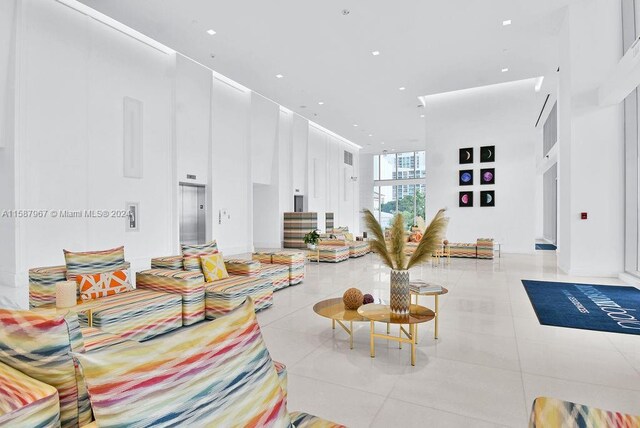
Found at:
(399, 187)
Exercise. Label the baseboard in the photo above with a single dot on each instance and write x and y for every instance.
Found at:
(629, 279)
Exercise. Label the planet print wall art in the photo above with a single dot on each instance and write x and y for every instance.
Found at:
(466, 155)
(488, 154)
(465, 177)
(488, 176)
(465, 199)
(488, 198)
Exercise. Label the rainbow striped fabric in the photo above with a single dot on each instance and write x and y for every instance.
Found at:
(38, 344)
(278, 274)
(96, 339)
(333, 253)
(191, 254)
(93, 261)
(171, 263)
(305, 420)
(463, 250)
(137, 315)
(262, 256)
(42, 284)
(295, 261)
(296, 225)
(242, 267)
(225, 295)
(356, 248)
(553, 413)
(188, 284)
(26, 402)
(484, 248)
(214, 374)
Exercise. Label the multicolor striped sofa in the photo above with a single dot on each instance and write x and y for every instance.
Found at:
(41, 384)
(482, 249)
(294, 260)
(137, 314)
(333, 253)
(247, 278)
(356, 248)
(553, 413)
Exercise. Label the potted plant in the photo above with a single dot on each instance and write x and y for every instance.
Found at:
(393, 255)
(311, 239)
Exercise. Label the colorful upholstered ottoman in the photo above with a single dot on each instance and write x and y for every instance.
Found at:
(242, 267)
(463, 250)
(224, 295)
(137, 315)
(26, 402)
(187, 284)
(358, 249)
(278, 274)
(42, 284)
(295, 261)
(484, 248)
(554, 413)
(333, 253)
(262, 256)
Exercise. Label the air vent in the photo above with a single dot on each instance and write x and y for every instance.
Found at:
(348, 158)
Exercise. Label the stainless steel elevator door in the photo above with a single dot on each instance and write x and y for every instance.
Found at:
(193, 209)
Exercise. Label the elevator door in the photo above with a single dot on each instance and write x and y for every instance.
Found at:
(193, 209)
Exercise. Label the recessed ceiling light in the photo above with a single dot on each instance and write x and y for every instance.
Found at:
(393, 150)
(504, 70)
(382, 142)
(506, 22)
(355, 124)
(422, 115)
(402, 88)
(370, 135)
(211, 32)
(279, 76)
(375, 53)
(320, 102)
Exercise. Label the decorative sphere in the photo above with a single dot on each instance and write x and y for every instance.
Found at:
(445, 242)
(368, 298)
(352, 298)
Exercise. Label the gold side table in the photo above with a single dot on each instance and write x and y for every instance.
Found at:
(382, 313)
(334, 310)
(436, 311)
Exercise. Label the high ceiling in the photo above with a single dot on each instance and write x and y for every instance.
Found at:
(426, 46)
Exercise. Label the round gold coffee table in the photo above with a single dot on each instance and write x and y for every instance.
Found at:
(382, 313)
(334, 310)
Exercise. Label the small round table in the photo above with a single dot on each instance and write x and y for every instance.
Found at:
(334, 310)
(435, 294)
(382, 313)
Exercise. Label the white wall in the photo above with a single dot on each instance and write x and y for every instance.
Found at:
(70, 139)
(498, 116)
(8, 24)
(231, 168)
(67, 151)
(591, 160)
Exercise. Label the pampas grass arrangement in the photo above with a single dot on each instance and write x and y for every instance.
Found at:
(394, 254)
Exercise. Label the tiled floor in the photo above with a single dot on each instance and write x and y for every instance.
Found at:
(491, 360)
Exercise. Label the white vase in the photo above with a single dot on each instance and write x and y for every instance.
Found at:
(399, 290)
(311, 246)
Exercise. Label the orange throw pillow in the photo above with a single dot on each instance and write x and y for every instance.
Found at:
(93, 286)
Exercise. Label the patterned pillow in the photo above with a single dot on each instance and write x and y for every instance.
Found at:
(93, 262)
(349, 236)
(213, 267)
(40, 345)
(217, 373)
(93, 286)
(191, 254)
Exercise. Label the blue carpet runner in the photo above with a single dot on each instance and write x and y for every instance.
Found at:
(586, 306)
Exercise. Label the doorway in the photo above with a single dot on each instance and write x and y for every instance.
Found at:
(193, 210)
